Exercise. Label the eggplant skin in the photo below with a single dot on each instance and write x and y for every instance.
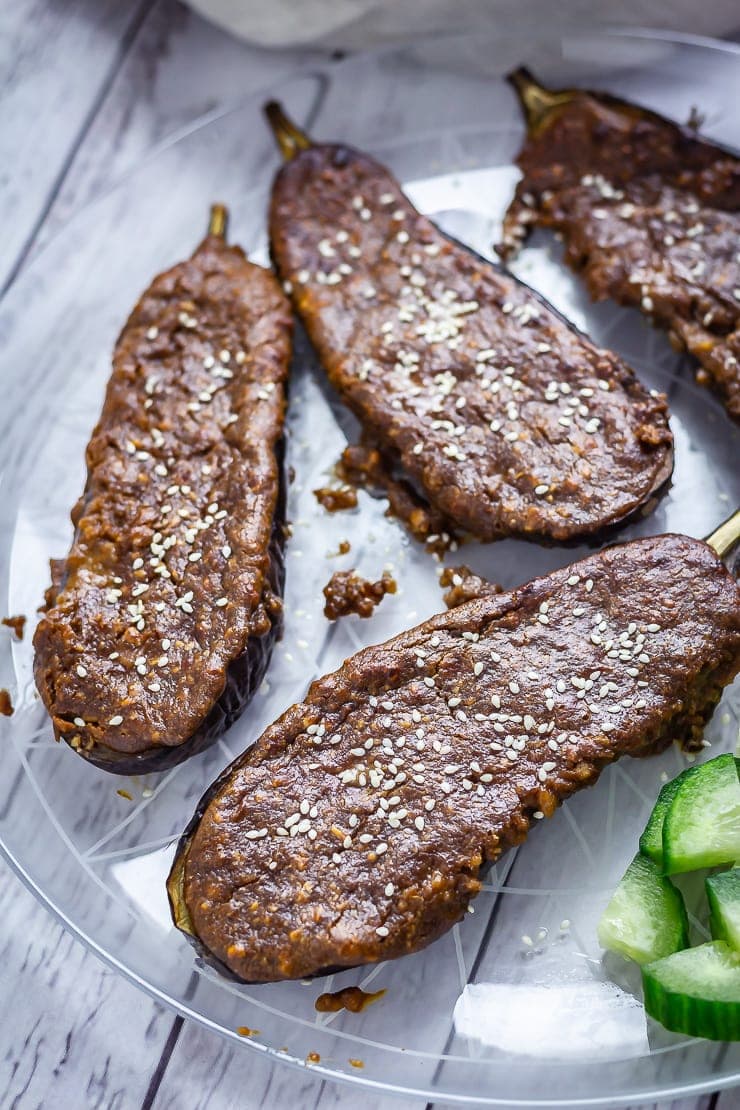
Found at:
(243, 679)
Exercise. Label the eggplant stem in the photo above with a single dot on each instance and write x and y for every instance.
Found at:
(537, 101)
(727, 536)
(288, 135)
(219, 220)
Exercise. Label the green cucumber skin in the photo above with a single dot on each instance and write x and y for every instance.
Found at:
(696, 787)
(643, 890)
(723, 895)
(693, 1016)
(687, 1013)
(651, 841)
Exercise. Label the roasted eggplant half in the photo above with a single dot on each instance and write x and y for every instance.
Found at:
(649, 213)
(357, 827)
(505, 418)
(160, 622)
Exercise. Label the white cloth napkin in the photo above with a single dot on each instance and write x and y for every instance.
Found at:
(356, 24)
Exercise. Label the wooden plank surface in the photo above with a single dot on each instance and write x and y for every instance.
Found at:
(86, 88)
(57, 60)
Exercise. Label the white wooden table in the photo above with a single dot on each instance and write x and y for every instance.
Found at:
(86, 86)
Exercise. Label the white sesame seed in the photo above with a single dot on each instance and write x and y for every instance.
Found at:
(115, 721)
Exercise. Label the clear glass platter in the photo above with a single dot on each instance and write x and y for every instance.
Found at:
(482, 1016)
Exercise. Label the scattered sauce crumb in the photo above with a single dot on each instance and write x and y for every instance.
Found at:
(464, 585)
(125, 794)
(344, 548)
(357, 1063)
(346, 592)
(336, 499)
(245, 1031)
(353, 999)
(16, 623)
(6, 705)
(313, 1058)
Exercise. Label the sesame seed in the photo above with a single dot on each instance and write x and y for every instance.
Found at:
(115, 721)
(81, 671)
(382, 931)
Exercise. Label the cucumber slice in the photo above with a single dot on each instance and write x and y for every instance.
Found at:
(696, 991)
(651, 841)
(723, 894)
(646, 917)
(702, 823)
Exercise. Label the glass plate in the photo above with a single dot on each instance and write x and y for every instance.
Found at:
(483, 1015)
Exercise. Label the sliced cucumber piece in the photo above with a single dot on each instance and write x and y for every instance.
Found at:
(702, 823)
(696, 991)
(646, 917)
(651, 841)
(723, 894)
